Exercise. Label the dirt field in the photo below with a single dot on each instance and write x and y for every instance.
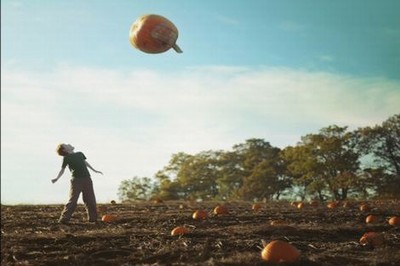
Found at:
(30, 235)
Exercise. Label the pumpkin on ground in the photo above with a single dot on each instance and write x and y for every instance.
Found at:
(221, 210)
(157, 201)
(332, 205)
(200, 215)
(279, 251)
(371, 219)
(256, 207)
(395, 221)
(372, 239)
(109, 218)
(364, 208)
(179, 230)
(300, 205)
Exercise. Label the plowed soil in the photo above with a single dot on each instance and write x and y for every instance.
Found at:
(30, 234)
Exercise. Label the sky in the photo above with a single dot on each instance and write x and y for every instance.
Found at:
(270, 69)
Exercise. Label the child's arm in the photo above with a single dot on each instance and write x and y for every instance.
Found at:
(59, 175)
(90, 167)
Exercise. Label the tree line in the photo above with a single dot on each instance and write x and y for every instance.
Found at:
(332, 164)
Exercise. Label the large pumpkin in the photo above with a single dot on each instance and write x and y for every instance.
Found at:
(153, 34)
(279, 251)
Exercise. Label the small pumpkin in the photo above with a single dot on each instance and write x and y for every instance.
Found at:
(278, 251)
(256, 207)
(109, 218)
(300, 205)
(365, 208)
(371, 219)
(200, 215)
(332, 205)
(395, 221)
(153, 34)
(157, 201)
(372, 239)
(221, 210)
(179, 230)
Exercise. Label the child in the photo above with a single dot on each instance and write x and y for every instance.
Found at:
(80, 182)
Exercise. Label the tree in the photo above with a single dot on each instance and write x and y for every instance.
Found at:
(382, 143)
(320, 165)
(198, 174)
(265, 181)
(326, 160)
(135, 189)
(262, 171)
(230, 175)
(169, 187)
(301, 167)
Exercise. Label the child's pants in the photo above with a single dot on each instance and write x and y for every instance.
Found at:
(78, 185)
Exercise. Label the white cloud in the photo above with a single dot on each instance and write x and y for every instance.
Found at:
(130, 123)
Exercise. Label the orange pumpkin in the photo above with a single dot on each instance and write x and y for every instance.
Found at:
(364, 208)
(221, 210)
(179, 230)
(395, 221)
(279, 251)
(300, 205)
(153, 34)
(108, 218)
(256, 207)
(332, 205)
(371, 219)
(200, 215)
(157, 201)
(372, 239)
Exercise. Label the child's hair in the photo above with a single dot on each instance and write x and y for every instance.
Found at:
(60, 150)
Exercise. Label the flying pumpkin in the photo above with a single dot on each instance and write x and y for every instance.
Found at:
(153, 34)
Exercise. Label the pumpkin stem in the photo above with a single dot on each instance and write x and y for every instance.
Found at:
(263, 242)
(176, 48)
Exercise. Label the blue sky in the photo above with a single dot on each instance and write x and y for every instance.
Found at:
(275, 70)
